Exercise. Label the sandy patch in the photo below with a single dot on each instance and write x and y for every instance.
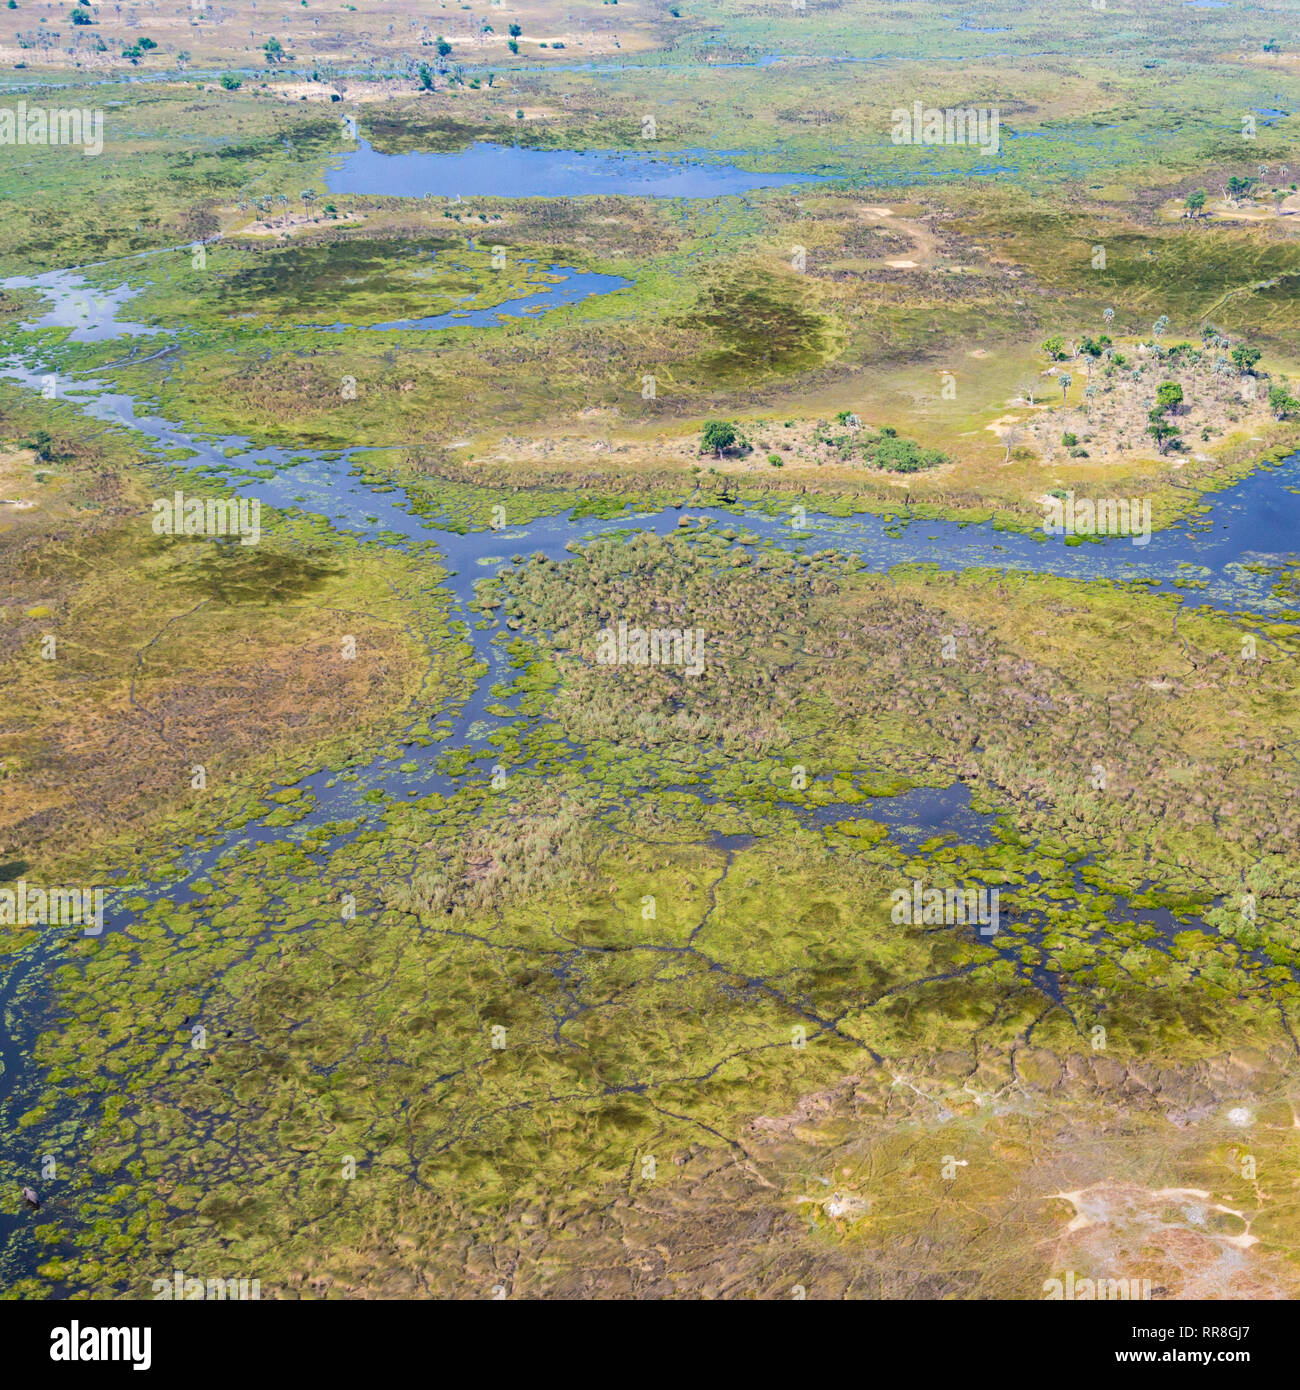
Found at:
(295, 222)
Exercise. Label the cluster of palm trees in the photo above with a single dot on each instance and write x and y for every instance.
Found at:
(265, 203)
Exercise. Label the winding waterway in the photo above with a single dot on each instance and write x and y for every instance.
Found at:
(1250, 523)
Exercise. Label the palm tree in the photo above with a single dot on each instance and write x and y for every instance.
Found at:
(1066, 380)
(308, 196)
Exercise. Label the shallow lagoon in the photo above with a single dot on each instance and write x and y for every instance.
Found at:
(512, 171)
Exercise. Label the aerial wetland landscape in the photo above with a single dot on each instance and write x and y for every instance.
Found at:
(651, 650)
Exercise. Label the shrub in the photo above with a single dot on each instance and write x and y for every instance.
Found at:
(886, 450)
(1244, 358)
(1168, 395)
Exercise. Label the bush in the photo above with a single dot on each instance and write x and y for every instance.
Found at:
(886, 450)
(1244, 358)
(1168, 395)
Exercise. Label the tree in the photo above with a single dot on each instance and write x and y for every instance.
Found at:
(1160, 429)
(230, 82)
(1239, 186)
(80, 15)
(1244, 358)
(1109, 316)
(308, 196)
(426, 77)
(1011, 435)
(1066, 380)
(1054, 347)
(1160, 326)
(442, 46)
(273, 49)
(515, 30)
(716, 436)
(1169, 395)
(1196, 203)
(1281, 402)
(513, 45)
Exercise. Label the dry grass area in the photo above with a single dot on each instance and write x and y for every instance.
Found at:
(1106, 408)
(370, 31)
(160, 666)
(128, 659)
